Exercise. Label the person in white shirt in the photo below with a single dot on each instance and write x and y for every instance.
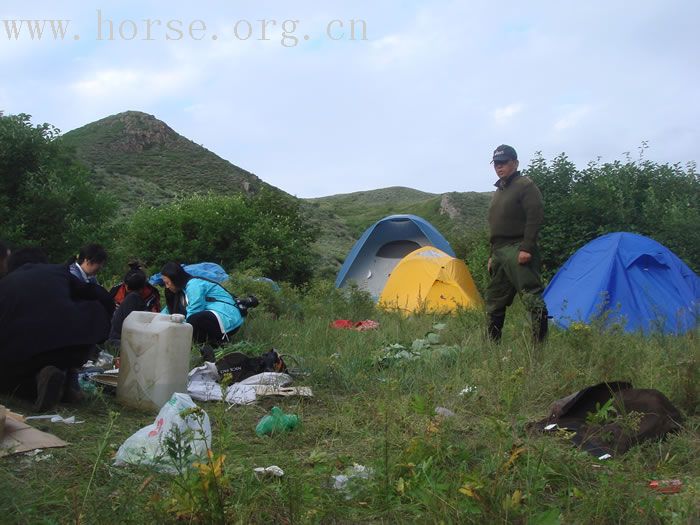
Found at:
(89, 261)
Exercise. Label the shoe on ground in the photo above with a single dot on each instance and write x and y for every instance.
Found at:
(50, 382)
(72, 393)
(207, 353)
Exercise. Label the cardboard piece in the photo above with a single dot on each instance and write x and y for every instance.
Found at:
(20, 437)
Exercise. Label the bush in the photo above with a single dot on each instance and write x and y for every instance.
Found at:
(657, 200)
(264, 233)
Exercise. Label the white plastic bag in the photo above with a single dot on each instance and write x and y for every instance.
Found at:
(202, 385)
(173, 442)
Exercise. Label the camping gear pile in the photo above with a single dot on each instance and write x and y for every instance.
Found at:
(240, 379)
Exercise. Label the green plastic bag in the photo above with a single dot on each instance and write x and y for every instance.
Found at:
(276, 421)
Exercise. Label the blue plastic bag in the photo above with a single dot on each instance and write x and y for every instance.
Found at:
(208, 270)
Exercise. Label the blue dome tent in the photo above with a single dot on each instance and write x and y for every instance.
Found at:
(382, 246)
(632, 279)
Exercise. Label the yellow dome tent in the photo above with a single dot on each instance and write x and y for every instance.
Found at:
(429, 278)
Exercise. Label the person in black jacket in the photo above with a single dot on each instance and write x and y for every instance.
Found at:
(49, 322)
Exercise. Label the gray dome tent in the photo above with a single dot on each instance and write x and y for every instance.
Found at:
(382, 246)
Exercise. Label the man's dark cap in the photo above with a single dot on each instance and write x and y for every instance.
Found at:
(504, 153)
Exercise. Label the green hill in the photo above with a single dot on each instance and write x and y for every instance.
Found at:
(451, 213)
(139, 159)
(448, 210)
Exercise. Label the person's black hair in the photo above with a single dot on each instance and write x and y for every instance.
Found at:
(176, 274)
(134, 268)
(135, 280)
(30, 254)
(92, 252)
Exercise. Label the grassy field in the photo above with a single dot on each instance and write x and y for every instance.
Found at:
(479, 466)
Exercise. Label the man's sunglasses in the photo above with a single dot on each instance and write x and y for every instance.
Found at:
(500, 162)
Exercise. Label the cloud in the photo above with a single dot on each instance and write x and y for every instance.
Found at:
(393, 49)
(572, 118)
(504, 114)
(131, 84)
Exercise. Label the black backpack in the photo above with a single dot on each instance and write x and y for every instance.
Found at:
(241, 366)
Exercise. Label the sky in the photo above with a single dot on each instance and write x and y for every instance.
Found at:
(418, 96)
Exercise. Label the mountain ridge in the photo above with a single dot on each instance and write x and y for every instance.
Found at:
(133, 146)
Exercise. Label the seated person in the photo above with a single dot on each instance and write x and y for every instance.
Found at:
(148, 292)
(49, 322)
(207, 306)
(133, 295)
(89, 261)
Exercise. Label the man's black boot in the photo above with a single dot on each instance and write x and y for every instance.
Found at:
(495, 327)
(540, 325)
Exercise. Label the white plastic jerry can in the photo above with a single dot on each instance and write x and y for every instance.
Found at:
(154, 359)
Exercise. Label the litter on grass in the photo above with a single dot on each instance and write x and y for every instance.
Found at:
(37, 457)
(271, 471)
(18, 436)
(360, 326)
(666, 486)
(55, 418)
(276, 421)
(351, 479)
(444, 412)
(179, 436)
(609, 418)
(203, 386)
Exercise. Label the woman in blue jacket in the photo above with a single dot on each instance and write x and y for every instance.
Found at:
(208, 307)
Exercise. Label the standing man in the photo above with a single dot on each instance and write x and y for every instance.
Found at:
(515, 217)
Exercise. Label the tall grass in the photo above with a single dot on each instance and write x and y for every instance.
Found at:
(479, 466)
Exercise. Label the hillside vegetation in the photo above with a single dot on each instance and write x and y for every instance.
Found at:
(140, 159)
(448, 212)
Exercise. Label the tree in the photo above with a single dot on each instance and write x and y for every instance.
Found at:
(46, 197)
(660, 201)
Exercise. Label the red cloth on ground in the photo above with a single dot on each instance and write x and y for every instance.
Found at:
(360, 326)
